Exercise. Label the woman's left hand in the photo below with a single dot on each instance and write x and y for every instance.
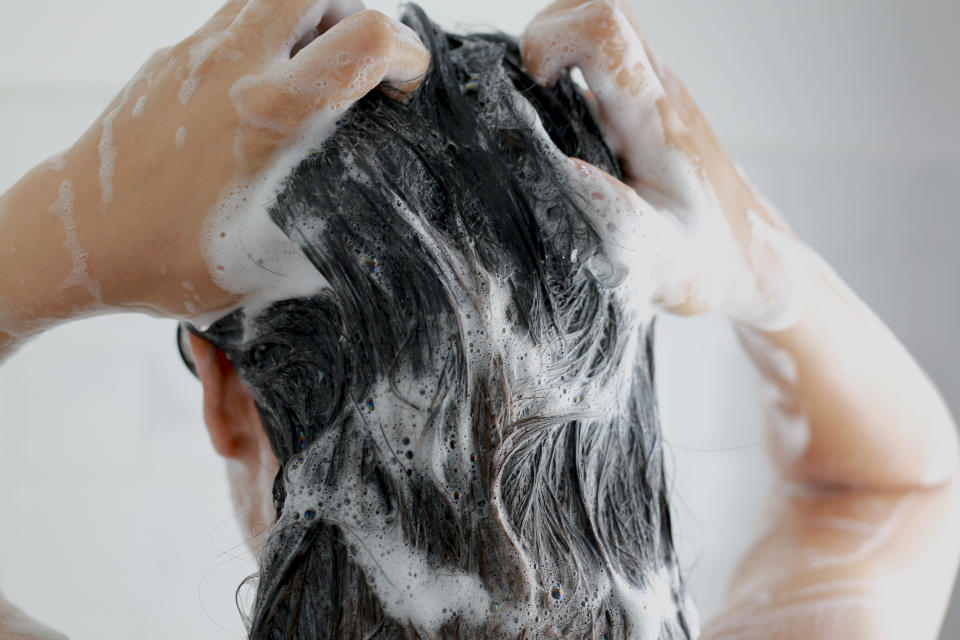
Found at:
(720, 246)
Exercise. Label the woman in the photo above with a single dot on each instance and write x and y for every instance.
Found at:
(878, 498)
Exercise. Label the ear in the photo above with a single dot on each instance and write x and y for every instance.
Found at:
(228, 407)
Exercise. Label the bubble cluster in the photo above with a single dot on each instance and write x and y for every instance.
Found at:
(79, 276)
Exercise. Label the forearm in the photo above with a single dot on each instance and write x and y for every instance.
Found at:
(854, 408)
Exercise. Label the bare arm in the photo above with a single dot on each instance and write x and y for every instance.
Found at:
(863, 541)
(864, 532)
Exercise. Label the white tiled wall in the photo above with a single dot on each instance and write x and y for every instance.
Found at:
(115, 519)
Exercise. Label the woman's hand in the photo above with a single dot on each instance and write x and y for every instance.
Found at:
(720, 246)
(151, 207)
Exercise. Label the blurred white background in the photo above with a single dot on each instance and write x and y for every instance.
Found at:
(116, 521)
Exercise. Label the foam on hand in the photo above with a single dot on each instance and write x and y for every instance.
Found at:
(698, 258)
(79, 276)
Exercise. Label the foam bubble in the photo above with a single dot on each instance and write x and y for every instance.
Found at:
(646, 608)
(106, 148)
(249, 256)
(699, 258)
(246, 252)
(108, 156)
(180, 137)
(62, 208)
(56, 163)
(14, 318)
(140, 107)
(197, 54)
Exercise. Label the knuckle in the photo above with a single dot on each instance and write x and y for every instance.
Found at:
(377, 32)
(603, 11)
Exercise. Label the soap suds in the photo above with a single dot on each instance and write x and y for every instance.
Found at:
(62, 208)
(249, 256)
(778, 377)
(198, 54)
(180, 137)
(108, 156)
(245, 251)
(140, 107)
(647, 609)
(699, 258)
(56, 163)
(106, 147)
(409, 587)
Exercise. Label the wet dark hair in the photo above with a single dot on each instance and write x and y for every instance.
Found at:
(467, 414)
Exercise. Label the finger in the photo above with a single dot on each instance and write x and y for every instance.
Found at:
(357, 54)
(334, 71)
(598, 38)
(338, 10)
(223, 17)
(283, 27)
(562, 5)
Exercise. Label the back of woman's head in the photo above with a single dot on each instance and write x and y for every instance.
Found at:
(465, 417)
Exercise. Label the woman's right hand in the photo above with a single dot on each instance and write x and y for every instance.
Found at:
(134, 200)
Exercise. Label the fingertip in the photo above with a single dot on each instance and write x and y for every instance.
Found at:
(414, 48)
(409, 61)
(401, 92)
